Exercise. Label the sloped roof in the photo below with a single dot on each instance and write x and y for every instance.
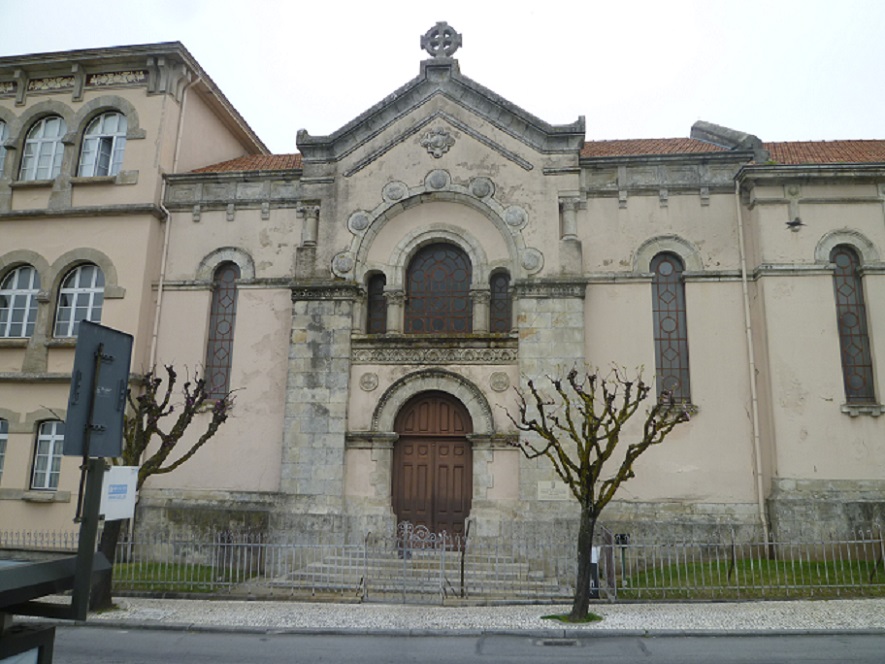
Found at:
(255, 162)
(787, 153)
(635, 147)
(827, 152)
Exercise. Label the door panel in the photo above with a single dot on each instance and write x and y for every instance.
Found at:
(432, 474)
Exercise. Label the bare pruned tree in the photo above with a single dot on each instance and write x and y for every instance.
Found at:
(578, 425)
(157, 414)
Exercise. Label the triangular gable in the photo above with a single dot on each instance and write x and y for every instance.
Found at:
(442, 76)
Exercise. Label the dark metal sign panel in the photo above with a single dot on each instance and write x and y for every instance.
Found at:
(97, 401)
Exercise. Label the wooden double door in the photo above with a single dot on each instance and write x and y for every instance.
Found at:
(433, 464)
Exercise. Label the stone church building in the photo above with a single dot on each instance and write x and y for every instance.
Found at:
(375, 298)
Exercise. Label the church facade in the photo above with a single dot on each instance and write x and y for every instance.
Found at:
(376, 298)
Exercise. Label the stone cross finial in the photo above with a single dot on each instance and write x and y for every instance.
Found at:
(441, 41)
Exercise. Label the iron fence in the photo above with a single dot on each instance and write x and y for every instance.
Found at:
(415, 565)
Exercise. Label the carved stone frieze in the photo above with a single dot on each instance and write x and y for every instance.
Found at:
(551, 289)
(50, 83)
(324, 291)
(7, 87)
(132, 77)
(405, 351)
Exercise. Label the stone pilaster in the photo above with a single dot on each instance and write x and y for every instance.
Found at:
(312, 469)
(551, 341)
(481, 300)
(396, 299)
(570, 249)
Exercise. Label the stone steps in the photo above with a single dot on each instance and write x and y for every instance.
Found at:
(425, 573)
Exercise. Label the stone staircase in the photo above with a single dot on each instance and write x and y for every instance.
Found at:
(422, 575)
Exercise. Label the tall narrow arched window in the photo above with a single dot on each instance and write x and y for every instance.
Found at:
(670, 328)
(81, 297)
(222, 319)
(4, 434)
(500, 303)
(47, 455)
(41, 159)
(854, 338)
(103, 144)
(18, 302)
(376, 305)
(438, 291)
(4, 134)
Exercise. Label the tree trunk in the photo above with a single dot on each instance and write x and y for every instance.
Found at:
(581, 603)
(101, 599)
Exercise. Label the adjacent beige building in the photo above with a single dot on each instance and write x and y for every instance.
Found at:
(375, 299)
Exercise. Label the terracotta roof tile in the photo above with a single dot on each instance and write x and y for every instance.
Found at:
(827, 152)
(647, 146)
(789, 153)
(255, 162)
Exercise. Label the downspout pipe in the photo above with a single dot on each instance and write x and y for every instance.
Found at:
(155, 333)
(751, 367)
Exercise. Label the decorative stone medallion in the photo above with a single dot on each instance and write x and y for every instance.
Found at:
(437, 179)
(368, 381)
(394, 191)
(358, 222)
(499, 381)
(482, 187)
(532, 260)
(441, 41)
(437, 141)
(342, 264)
(515, 216)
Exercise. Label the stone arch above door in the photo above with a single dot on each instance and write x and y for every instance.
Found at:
(396, 396)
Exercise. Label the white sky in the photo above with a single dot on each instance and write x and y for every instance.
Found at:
(783, 70)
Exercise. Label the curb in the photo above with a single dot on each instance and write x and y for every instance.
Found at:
(560, 633)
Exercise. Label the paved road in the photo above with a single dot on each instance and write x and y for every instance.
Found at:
(87, 645)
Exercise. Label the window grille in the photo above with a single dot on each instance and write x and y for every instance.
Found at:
(670, 328)
(376, 319)
(222, 318)
(438, 291)
(500, 303)
(854, 340)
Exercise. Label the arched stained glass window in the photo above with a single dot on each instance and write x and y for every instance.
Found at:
(854, 339)
(670, 328)
(500, 303)
(222, 319)
(376, 319)
(18, 302)
(438, 291)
